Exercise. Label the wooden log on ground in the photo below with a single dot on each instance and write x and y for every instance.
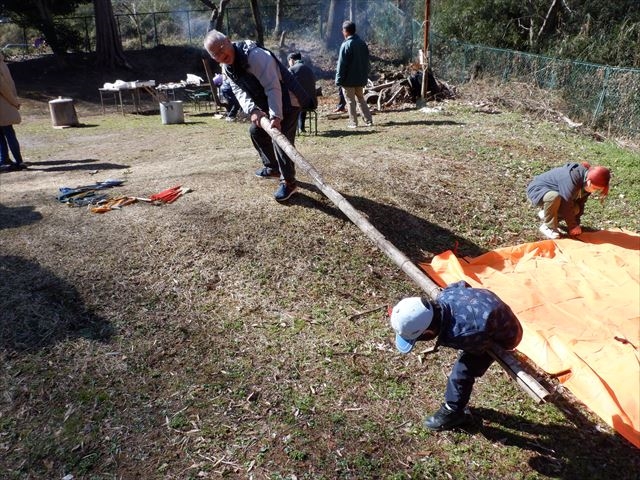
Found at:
(529, 384)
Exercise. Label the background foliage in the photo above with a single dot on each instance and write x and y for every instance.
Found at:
(587, 30)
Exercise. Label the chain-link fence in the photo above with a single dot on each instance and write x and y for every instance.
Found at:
(599, 96)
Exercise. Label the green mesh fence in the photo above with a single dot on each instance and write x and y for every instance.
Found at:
(599, 96)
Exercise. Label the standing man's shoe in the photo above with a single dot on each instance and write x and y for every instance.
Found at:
(285, 191)
(445, 419)
(267, 172)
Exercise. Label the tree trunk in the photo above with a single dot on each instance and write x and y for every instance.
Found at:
(217, 14)
(133, 15)
(108, 44)
(333, 37)
(255, 10)
(220, 19)
(47, 27)
(551, 20)
(276, 29)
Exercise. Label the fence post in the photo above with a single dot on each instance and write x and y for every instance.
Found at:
(189, 25)
(603, 93)
(24, 41)
(87, 41)
(155, 29)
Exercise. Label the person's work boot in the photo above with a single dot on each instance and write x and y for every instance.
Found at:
(339, 110)
(285, 190)
(445, 419)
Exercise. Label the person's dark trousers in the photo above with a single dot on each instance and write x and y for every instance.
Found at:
(264, 145)
(273, 156)
(288, 126)
(463, 375)
(342, 102)
(232, 102)
(9, 141)
(302, 118)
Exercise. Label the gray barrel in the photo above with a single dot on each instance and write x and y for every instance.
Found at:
(63, 113)
(171, 112)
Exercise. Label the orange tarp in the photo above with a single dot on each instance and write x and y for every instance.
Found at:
(579, 304)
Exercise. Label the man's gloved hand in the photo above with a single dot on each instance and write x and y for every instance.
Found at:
(575, 231)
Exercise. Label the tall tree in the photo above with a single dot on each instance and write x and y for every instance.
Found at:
(333, 35)
(255, 10)
(110, 53)
(217, 14)
(277, 29)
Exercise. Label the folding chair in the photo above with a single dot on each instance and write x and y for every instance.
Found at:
(198, 97)
(311, 120)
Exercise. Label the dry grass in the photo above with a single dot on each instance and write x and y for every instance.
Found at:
(216, 336)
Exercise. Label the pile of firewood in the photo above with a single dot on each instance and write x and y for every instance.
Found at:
(397, 89)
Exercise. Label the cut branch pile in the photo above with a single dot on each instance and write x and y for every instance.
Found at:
(398, 88)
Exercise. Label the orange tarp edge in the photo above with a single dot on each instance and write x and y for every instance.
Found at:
(579, 304)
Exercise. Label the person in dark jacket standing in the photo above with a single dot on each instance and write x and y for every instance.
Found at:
(562, 192)
(264, 88)
(307, 80)
(352, 73)
(472, 320)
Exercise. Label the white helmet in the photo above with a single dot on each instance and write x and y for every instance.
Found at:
(410, 318)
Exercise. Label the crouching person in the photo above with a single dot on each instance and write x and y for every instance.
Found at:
(472, 320)
(561, 194)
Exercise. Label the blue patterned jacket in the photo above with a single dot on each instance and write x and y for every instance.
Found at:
(475, 319)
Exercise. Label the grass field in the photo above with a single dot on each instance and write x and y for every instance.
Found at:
(220, 336)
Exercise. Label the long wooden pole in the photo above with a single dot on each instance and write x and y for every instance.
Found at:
(529, 384)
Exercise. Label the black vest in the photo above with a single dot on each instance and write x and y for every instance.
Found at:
(238, 72)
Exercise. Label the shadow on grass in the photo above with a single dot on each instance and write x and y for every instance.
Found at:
(417, 238)
(13, 217)
(40, 309)
(363, 130)
(346, 132)
(69, 165)
(567, 452)
(431, 123)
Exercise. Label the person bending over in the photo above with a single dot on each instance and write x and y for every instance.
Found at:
(472, 320)
(264, 88)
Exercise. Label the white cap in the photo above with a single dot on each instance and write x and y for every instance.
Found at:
(410, 318)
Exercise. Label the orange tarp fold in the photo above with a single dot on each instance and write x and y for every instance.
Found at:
(579, 304)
